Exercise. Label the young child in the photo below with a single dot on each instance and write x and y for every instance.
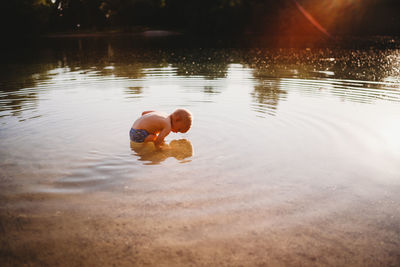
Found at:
(154, 126)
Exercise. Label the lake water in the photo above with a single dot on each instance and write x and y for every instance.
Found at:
(293, 157)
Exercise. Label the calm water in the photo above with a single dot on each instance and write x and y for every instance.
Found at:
(293, 157)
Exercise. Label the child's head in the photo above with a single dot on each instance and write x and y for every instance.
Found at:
(181, 120)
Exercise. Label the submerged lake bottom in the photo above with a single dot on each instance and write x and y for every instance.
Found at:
(292, 158)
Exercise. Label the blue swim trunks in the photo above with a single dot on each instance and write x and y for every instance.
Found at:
(138, 135)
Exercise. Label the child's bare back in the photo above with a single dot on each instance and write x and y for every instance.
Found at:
(154, 126)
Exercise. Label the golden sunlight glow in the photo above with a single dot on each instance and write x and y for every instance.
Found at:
(329, 17)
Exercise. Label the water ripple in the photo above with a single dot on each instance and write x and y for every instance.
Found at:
(254, 123)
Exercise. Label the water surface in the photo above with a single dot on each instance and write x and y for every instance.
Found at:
(293, 157)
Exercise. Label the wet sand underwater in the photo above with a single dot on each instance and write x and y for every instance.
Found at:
(175, 220)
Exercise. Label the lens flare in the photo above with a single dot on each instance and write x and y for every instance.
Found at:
(327, 17)
(312, 19)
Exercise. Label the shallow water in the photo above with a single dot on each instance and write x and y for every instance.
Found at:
(293, 157)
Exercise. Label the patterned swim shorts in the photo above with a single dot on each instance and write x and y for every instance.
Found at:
(138, 135)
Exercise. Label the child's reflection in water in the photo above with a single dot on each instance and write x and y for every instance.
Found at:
(180, 149)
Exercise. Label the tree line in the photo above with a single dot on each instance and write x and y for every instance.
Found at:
(228, 17)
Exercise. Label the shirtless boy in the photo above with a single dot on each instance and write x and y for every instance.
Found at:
(154, 126)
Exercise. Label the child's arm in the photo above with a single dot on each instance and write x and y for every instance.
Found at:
(148, 111)
(160, 138)
(150, 138)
